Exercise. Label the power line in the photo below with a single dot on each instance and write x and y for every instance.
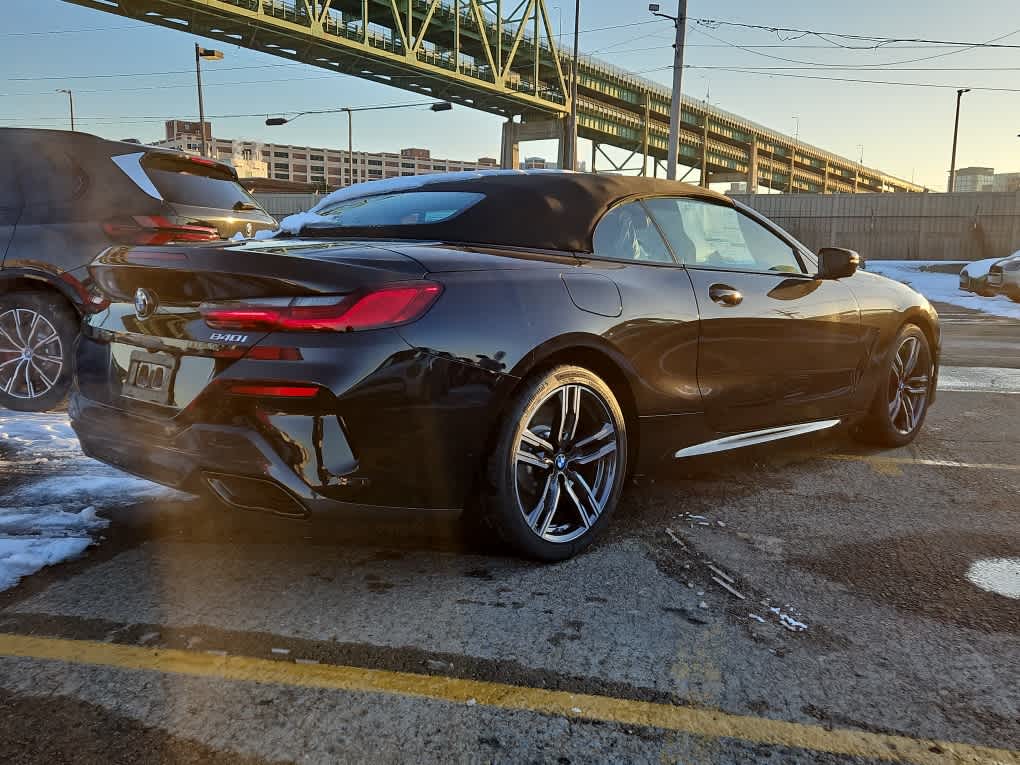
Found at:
(44, 32)
(824, 64)
(143, 74)
(882, 41)
(848, 79)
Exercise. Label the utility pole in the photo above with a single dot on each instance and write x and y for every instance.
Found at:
(680, 20)
(70, 101)
(956, 138)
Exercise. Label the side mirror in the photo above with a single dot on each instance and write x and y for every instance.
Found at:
(837, 263)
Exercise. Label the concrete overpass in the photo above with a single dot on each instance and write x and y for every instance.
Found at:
(501, 56)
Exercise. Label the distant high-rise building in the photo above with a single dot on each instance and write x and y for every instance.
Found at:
(973, 179)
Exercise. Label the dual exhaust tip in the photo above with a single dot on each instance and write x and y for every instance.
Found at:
(255, 494)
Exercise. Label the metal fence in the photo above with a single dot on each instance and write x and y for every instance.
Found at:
(281, 205)
(899, 226)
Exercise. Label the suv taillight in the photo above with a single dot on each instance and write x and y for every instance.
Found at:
(155, 229)
(385, 307)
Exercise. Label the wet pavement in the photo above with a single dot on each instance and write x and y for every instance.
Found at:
(812, 602)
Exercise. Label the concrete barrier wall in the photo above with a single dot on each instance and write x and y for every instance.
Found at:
(899, 226)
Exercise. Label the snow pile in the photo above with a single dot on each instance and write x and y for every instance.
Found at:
(45, 481)
(293, 224)
(942, 288)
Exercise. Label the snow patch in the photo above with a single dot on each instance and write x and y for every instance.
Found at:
(21, 556)
(942, 288)
(998, 575)
(41, 517)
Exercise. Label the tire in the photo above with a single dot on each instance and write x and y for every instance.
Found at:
(44, 326)
(901, 401)
(536, 483)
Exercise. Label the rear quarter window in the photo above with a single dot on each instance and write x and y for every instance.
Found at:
(182, 181)
(416, 208)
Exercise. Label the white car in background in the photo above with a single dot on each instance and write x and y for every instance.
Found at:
(974, 277)
(1004, 277)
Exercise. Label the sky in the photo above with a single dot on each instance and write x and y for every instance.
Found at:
(128, 77)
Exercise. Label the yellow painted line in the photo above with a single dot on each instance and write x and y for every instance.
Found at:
(891, 465)
(689, 720)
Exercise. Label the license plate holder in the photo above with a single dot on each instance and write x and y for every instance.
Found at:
(150, 377)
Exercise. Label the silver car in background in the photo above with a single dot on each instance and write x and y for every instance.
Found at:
(1004, 277)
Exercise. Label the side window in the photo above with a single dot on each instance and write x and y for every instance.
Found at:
(717, 236)
(627, 233)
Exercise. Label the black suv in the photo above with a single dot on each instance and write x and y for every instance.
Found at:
(64, 198)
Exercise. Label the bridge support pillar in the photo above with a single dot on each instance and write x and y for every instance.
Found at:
(510, 149)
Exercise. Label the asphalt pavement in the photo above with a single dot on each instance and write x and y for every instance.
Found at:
(810, 602)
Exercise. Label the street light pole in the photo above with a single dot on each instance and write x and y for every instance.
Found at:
(350, 147)
(680, 20)
(70, 101)
(956, 138)
(208, 55)
(571, 153)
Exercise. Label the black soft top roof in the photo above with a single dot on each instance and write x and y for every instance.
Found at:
(541, 210)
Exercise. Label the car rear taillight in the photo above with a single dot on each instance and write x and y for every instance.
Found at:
(155, 229)
(385, 307)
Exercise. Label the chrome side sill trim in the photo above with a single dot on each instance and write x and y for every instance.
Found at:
(756, 437)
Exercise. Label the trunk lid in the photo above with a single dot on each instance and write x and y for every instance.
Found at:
(152, 350)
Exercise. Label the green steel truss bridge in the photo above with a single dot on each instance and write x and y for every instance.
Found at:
(501, 56)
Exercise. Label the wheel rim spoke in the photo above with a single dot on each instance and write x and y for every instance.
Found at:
(536, 441)
(895, 405)
(909, 412)
(531, 459)
(911, 362)
(587, 506)
(44, 341)
(17, 326)
(917, 385)
(11, 340)
(547, 509)
(570, 413)
(45, 379)
(28, 379)
(589, 457)
(605, 432)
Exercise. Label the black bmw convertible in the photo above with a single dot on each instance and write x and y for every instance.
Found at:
(516, 344)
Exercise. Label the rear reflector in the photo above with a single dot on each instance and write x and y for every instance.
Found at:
(386, 307)
(273, 391)
(259, 353)
(155, 229)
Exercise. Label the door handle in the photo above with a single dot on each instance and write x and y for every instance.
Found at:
(723, 294)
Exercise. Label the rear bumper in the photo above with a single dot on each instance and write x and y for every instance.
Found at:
(242, 467)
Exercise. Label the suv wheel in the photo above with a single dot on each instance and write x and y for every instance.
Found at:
(558, 467)
(37, 334)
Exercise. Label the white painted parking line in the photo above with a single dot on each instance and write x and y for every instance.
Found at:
(979, 380)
